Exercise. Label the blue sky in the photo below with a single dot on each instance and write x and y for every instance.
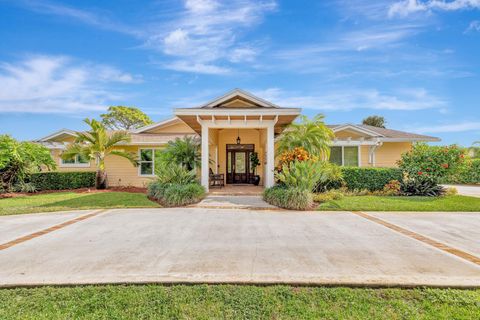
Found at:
(415, 62)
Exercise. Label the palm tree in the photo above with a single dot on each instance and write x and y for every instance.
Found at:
(312, 135)
(96, 144)
(185, 152)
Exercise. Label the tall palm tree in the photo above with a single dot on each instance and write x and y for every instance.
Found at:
(312, 135)
(185, 152)
(96, 144)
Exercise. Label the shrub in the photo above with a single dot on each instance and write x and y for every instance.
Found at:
(172, 173)
(328, 196)
(421, 185)
(468, 173)
(297, 154)
(304, 175)
(25, 187)
(288, 198)
(392, 188)
(451, 191)
(371, 179)
(173, 194)
(61, 180)
(434, 161)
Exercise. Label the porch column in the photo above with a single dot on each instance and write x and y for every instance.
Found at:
(269, 175)
(205, 164)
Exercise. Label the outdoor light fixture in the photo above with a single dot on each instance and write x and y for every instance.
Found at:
(238, 137)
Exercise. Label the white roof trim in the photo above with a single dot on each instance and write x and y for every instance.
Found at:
(432, 139)
(236, 112)
(353, 127)
(155, 125)
(58, 133)
(244, 94)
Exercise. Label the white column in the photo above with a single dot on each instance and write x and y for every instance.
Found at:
(269, 174)
(205, 164)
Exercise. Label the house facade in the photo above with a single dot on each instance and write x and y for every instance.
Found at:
(231, 128)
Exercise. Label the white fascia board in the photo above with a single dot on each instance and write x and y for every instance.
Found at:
(358, 129)
(241, 93)
(427, 139)
(236, 112)
(338, 143)
(157, 124)
(58, 133)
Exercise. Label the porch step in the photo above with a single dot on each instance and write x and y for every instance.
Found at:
(234, 202)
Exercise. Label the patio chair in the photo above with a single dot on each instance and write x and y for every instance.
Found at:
(216, 180)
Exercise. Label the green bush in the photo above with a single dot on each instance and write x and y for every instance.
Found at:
(288, 198)
(174, 194)
(172, 173)
(468, 173)
(328, 196)
(421, 185)
(301, 174)
(372, 179)
(61, 180)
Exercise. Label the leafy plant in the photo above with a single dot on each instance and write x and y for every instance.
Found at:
(375, 121)
(311, 135)
(392, 188)
(421, 185)
(296, 154)
(289, 198)
(254, 161)
(331, 177)
(125, 118)
(300, 174)
(25, 187)
(174, 173)
(174, 194)
(433, 161)
(96, 144)
(184, 151)
(369, 178)
(19, 159)
(329, 195)
(61, 180)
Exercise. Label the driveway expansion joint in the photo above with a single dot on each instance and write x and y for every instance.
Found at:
(419, 237)
(37, 234)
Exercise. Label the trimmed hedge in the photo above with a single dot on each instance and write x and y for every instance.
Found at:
(468, 174)
(372, 179)
(61, 180)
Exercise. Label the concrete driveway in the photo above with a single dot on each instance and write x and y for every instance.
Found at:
(466, 190)
(198, 245)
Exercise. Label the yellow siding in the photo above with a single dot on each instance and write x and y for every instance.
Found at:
(179, 127)
(390, 152)
(364, 150)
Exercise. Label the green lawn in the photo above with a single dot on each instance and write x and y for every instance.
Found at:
(382, 203)
(236, 302)
(73, 201)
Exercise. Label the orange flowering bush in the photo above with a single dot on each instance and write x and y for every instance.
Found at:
(297, 154)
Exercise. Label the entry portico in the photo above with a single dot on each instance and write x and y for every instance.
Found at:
(231, 128)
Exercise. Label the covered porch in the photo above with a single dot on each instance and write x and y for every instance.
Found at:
(232, 128)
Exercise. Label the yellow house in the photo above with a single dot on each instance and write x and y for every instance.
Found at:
(232, 127)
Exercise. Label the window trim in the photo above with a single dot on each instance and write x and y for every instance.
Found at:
(76, 164)
(343, 154)
(140, 162)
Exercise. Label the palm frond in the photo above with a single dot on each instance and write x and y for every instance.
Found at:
(117, 137)
(127, 155)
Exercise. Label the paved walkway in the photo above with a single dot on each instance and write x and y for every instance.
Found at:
(472, 191)
(235, 202)
(198, 245)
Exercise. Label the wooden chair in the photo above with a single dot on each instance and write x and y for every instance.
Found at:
(216, 180)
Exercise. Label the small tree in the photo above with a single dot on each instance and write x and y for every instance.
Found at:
(125, 118)
(96, 144)
(18, 159)
(375, 121)
(185, 152)
(312, 135)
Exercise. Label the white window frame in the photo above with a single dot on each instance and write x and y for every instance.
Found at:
(140, 162)
(343, 154)
(76, 164)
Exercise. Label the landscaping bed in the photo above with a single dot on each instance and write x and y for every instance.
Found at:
(399, 203)
(74, 200)
(236, 302)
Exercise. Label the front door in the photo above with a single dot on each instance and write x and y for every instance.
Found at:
(238, 163)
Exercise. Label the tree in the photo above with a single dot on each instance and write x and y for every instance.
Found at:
(18, 159)
(312, 135)
(125, 118)
(474, 151)
(185, 152)
(375, 121)
(96, 144)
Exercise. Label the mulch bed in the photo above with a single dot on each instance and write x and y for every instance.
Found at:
(82, 190)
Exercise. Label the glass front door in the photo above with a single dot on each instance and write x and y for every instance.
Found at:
(238, 163)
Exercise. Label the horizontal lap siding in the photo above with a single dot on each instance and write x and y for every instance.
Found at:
(389, 153)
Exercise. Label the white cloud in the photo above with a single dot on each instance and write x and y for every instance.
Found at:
(57, 84)
(406, 7)
(473, 26)
(447, 128)
(207, 33)
(349, 99)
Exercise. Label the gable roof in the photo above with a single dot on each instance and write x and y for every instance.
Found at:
(59, 133)
(239, 94)
(157, 125)
(388, 135)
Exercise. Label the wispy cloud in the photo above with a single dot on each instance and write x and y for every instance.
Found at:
(57, 84)
(349, 99)
(406, 7)
(448, 128)
(473, 26)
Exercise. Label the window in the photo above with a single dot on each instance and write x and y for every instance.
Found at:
(148, 161)
(78, 161)
(345, 156)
